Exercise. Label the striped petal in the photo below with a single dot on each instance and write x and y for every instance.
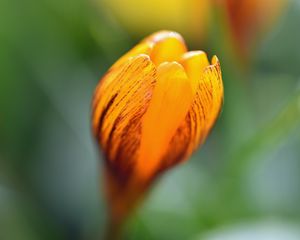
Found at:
(207, 103)
(124, 98)
(141, 48)
(206, 82)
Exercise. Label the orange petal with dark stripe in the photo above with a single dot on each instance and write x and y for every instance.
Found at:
(207, 103)
(123, 99)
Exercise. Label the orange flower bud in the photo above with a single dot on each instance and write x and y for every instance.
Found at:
(151, 110)
(248, 19)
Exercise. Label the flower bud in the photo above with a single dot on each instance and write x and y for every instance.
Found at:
(151, 110)
(250, 19)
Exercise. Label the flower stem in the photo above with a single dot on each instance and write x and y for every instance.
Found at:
(114, 229)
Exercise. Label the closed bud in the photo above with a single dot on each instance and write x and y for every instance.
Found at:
(151, 110)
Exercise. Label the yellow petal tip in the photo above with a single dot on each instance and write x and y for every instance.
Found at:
(215, 60)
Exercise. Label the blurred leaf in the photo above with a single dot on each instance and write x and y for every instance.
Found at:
(267, 138)
(263, 230)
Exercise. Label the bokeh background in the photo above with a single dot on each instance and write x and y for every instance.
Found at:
(244, 183)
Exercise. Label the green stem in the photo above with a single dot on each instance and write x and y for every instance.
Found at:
(114, 229)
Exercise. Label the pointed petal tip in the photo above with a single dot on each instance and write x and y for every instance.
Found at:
(194, 59)
(164, 34)
(140, 56)
(167, 46)
(143, 48)
(193, 53)
(171, 64)
(175, 67)
(214, 64)
(215, 60)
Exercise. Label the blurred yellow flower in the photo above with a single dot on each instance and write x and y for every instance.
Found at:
(189, 17)
(151, 110)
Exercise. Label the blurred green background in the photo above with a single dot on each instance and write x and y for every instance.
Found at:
(242, 184)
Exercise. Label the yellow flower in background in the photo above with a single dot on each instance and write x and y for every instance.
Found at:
(250, 19)
(189, 17)
(151, 110)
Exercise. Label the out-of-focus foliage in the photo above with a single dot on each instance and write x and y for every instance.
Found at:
(244, 179)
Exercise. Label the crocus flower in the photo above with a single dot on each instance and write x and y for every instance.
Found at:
(249, 19)
(151, 110)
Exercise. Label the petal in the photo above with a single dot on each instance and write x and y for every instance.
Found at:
(194, 63)
(192, 129)
(161, 46)
(120, 101)
(141, 48)
(117, 113)
(167, 47)
(171, 100)
(207, 103)
(159, 36)
(178, 148)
